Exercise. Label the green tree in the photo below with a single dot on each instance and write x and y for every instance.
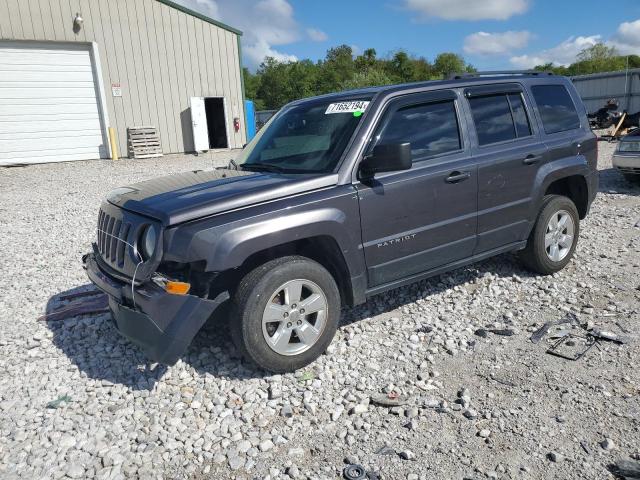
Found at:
(448, 63)
(422, 69)
(251, 87)
(366, 61)
(597, 52)
(634, 61)
(337, 67)
(275, 86)
(594, 59)
(303, 77)
(370, 78)
(276, 83)
(402, 67)
(597, 58)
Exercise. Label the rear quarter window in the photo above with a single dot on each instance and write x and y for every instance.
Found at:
(499, 118)
(557, 110)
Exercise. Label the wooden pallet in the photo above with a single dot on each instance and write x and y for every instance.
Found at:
(143, 142)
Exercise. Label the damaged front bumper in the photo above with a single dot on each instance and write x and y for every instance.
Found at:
(162, 324)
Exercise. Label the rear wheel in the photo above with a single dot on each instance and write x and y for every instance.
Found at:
(554, 237)
(286, 313)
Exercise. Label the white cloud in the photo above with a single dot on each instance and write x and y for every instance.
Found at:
(468, 9)
(259, 50)
(627, 38)
(629, 33)
(317, 35)
(483, 43)
(208, 7)
(563, 54)
(267, 25)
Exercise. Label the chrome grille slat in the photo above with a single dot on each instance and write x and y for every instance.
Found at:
(114, 241)
(111, 238)
(124, 234)
(98, 232)
(109, 230)
(102, 235)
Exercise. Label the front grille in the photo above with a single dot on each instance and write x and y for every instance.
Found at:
(112, 238)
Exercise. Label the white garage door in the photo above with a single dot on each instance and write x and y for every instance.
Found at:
(49, 110)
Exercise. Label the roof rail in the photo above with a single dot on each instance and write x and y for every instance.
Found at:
(458, 76)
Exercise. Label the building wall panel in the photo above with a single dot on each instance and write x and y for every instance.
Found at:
(161, 56)
(623, 86)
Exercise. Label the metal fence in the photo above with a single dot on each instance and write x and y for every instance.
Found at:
(597, 88)
(263, 116)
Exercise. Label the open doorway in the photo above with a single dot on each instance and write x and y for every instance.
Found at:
(216, 122)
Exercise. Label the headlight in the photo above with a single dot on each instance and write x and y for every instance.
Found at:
(148, 241)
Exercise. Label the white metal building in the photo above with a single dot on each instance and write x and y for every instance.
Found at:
(69, 69)
(597, 88)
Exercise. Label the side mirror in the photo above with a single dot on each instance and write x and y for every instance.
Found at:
(386, 158)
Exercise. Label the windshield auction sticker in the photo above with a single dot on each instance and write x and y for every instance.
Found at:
(347, 107)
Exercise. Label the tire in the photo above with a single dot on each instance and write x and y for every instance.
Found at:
(263, 287)
(543, 259)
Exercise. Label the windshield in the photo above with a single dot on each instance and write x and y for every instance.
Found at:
(306, 138)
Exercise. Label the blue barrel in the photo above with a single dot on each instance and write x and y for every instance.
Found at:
(251, 119)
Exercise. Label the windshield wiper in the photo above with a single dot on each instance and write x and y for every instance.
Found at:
(267, 167)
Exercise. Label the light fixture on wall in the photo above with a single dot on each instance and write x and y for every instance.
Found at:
(77, 22)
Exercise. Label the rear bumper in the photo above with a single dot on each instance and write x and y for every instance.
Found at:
(627, 163)
(162, 324)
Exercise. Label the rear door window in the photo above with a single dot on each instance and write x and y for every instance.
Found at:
(499, 118)
(556, 108)
(431, 128)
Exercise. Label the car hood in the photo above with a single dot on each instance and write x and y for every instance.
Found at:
(187, 196)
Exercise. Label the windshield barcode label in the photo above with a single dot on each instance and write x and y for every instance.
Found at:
(347, 107)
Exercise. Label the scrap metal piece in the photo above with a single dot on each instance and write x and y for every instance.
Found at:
(503, 332)
(53, 404)
(84, 293)
(481, 332)
(554, 349)
(354, 472)
(607, 335)
(90, 306)
(542, 331)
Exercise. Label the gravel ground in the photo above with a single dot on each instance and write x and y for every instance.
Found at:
(76, 400)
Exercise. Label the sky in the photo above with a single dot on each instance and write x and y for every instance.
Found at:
(490, 34)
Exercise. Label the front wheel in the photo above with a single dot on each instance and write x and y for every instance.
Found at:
(554, 237)
(286, 313)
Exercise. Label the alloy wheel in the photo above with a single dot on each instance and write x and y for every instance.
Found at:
(559, 236)
(294, 317)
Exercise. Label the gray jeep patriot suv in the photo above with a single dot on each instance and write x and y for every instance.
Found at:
(343, 196)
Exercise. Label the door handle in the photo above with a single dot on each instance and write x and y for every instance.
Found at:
(531, 159)
(455, 177)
